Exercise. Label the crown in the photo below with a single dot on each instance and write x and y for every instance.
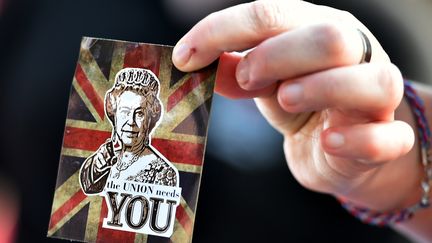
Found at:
(135, 76)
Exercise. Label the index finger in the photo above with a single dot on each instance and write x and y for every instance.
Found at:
(246, 25)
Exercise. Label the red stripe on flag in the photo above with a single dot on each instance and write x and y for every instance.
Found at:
(186, 88)
(184, 219)
(66, 208)
(143, 56)
(85, 139)
(175, 151)
(89, 91)
(180, 152)
(110, 235)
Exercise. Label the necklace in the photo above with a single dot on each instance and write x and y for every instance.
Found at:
(121, 166)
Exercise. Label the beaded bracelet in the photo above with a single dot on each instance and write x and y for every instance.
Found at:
(383, 219)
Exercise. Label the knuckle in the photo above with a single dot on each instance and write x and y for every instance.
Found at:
(390, 83)
(210, 26)
(373, 150)
(345, 16)
(213, 32)
(266, 16)
(100, 159)
(329, 38)
(287, 103)
(260, 63)
(341, 16)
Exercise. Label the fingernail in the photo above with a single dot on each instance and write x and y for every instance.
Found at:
(335, 140)
(181, 53)
(293, 93)
(242, 74)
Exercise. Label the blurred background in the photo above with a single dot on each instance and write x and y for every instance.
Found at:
(39, 44)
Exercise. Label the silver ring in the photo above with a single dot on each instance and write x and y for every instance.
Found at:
(367, 48)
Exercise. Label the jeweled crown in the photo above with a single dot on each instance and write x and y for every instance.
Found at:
(135, 76)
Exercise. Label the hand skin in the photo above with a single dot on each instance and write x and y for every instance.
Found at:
(346, 131)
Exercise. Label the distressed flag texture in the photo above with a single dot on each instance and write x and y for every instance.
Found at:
(180, 136)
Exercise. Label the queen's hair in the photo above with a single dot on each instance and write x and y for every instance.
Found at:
(140, 81)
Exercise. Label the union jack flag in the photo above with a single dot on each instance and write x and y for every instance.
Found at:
(180, 137)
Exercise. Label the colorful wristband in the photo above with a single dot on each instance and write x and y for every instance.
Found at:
(383, 219)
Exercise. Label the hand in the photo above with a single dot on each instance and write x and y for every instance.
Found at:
(102, 160)
(337, 116)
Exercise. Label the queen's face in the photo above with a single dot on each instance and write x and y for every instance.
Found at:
(131, 119)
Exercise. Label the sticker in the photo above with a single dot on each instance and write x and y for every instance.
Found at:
(133, 146)
(139, 184)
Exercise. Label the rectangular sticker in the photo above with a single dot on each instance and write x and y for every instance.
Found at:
(133, 146)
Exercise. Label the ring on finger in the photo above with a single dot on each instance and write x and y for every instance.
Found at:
(367, 48)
